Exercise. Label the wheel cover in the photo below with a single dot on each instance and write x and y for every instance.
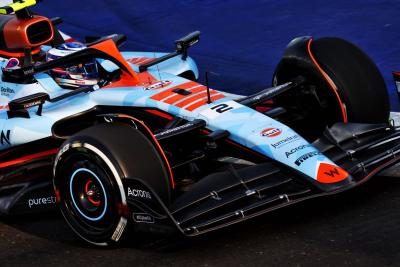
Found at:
(88, 200)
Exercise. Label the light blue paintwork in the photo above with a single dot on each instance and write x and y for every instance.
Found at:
(244, 124)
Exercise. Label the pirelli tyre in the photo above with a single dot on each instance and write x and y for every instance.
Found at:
(343, 82)
(89, 175)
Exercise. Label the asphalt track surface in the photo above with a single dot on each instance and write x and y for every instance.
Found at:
(360, 227)
(242, 42)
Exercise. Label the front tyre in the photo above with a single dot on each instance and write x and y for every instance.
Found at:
(342, 84)
(90, 173)
(91, 193)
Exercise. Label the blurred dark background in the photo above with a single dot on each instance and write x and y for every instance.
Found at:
(242, 41)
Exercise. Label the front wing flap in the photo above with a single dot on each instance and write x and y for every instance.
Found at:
(225, 198)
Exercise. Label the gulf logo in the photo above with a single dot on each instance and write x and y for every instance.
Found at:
(271, 132)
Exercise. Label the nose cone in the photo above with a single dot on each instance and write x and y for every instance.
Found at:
(328, 173)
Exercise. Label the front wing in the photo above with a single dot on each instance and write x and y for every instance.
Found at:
(227, 197)
(235, 195)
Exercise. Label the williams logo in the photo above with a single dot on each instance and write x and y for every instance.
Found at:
(332, 173)
(271, 132)
(5, 138)
(305, 157)
(329, 173)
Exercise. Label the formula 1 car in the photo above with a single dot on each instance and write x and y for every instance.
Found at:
(149, 149)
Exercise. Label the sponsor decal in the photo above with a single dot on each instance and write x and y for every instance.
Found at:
(158, 85)
(285, 141)
(143, 218)
(28, 71)
(79, 82)
(33, 103)
(5, 91)
(140, 60)
(271, 132)
(12, 63)
(176, 129)
(41, 201)
(294, 150)
(221, 108)
(138, 193)
(306, 156)
(329, 173)
(217, 110)
(120, 229)
(5, 137)
(270, 91)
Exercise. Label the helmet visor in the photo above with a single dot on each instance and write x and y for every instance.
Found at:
(86, 70)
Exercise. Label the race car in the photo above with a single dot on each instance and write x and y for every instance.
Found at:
(147, 149)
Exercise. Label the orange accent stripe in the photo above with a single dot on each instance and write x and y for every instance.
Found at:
(28, 158)
(157, 144)
(193, 99)
(132, 60)
(203, 102)
(18, 54)
(159, 113)
(140, 60)
(327, 78)
(169, 92)
(147, 60)
(174, 99)
(377, 169)
(178, 97)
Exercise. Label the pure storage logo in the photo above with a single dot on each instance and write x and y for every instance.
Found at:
(329, 173)
(42, 201)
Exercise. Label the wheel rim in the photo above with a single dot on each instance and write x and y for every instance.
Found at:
(88, 194)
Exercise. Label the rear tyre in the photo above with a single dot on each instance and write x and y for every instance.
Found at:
(90, 172)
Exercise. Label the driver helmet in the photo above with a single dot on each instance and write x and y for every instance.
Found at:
(83, 74)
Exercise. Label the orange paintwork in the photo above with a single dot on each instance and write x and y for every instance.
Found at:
(15, 32)
(128, 76)
(328, 173)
